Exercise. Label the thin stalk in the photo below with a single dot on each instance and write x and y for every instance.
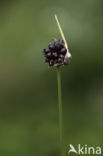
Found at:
(60, 109)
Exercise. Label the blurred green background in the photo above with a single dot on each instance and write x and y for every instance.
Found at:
(28, 88)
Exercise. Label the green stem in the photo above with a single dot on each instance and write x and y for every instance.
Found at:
(60, 110)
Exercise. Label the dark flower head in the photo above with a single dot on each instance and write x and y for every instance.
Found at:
(57, 54)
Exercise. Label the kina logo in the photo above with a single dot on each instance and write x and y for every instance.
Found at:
(85, 150)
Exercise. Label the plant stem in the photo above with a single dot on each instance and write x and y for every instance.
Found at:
(60, 109)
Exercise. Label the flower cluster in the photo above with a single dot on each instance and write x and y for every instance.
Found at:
(56, 54)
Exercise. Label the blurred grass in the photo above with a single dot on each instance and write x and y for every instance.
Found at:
(28, 91)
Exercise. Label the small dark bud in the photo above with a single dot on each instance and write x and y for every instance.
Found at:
(57, 45)
(61, 42)
(61, 56)
(48, 55)
(55, 55)
(51, 46)
(59, 60)
(51, 63)
(47, 50)
(63, 50)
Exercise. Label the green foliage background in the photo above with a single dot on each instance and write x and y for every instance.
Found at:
(28, 88)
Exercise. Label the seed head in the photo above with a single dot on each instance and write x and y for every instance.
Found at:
(57, 54)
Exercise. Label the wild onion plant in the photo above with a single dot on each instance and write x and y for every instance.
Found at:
(57, 54)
